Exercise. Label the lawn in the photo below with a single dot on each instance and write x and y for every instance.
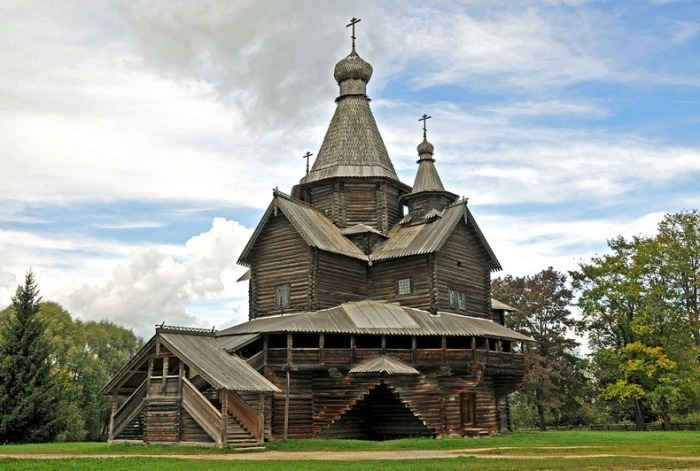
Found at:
(516, 451)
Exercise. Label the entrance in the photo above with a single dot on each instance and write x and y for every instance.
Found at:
(379, 416)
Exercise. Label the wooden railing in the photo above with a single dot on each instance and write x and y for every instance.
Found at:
(202, 411)
(245, 414)
(129, 410)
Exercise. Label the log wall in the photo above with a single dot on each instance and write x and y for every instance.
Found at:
(281, 257)
(339, 279)
(462, 265)
(357, 201)
(384, 277)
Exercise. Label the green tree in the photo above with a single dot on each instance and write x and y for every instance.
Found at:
(543, 304)
(85, 355)
(28, 390)
(640, 311)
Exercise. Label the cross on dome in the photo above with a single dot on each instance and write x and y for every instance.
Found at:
(306, 156)
(352, 23)
(425, 129)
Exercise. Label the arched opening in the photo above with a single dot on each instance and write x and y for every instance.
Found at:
(379, 416)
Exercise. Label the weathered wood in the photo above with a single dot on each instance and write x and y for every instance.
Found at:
(131, 408)
(202, 411)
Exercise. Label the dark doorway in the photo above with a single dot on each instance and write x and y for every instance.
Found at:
(379, 416)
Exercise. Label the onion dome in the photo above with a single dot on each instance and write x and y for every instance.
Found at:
(353, 67)
(353, 146)
(425, 147)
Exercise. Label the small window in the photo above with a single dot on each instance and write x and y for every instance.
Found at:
(282, 296)
(462, 301)
(405, 286)
(458, 299)
(480, 343)
(453, 298)
(493, 345)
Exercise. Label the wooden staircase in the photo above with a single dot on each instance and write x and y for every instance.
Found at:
(129, 417)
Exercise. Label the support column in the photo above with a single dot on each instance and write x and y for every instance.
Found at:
(111, 416)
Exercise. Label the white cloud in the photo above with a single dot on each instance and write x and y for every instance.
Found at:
(156, 287)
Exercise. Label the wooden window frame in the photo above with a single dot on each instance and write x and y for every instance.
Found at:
(401, 283)
(282, 296)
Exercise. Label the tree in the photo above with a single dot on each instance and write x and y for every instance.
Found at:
(543, 312)
(85, 355)
(640, 311)
(28, 390)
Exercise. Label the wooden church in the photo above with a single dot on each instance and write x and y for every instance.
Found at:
(370, 313)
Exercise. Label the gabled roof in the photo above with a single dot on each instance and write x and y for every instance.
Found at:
(415, 239)
(378, 318)
(385, 364)
(207, 356)
(311, 224)
(204, 354)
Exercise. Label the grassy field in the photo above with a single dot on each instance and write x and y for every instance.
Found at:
(517, 451)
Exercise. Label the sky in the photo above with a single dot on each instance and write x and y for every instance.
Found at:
(140, 141)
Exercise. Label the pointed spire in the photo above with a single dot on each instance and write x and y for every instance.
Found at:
(353, 146)
(428, 192)
(427, 178)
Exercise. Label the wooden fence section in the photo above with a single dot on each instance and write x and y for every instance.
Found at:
(202, 411)
(129, 410)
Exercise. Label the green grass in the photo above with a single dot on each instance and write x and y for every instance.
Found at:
(463, 463)
(688, 442)
(536, 450)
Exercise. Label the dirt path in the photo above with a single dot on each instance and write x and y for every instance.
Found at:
(343, 456)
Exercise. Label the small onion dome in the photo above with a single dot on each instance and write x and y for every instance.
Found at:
(425, 147)
(353, 67)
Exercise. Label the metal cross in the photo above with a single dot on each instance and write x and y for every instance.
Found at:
(424, 119)
(352, 23)
(306, 156)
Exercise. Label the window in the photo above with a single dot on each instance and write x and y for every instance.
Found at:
(461, 343)
(404, 286)
(368, 341)
(462, 301)
(282, 296)
(399, 342)
(428, 341)
(458, 299)
(305, 340)
(336, 341)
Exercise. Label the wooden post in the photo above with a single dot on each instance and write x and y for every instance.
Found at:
(165, 374)
(148, 380)
(223, 397)
(261, 416)
(286, 407)
(111, 417)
